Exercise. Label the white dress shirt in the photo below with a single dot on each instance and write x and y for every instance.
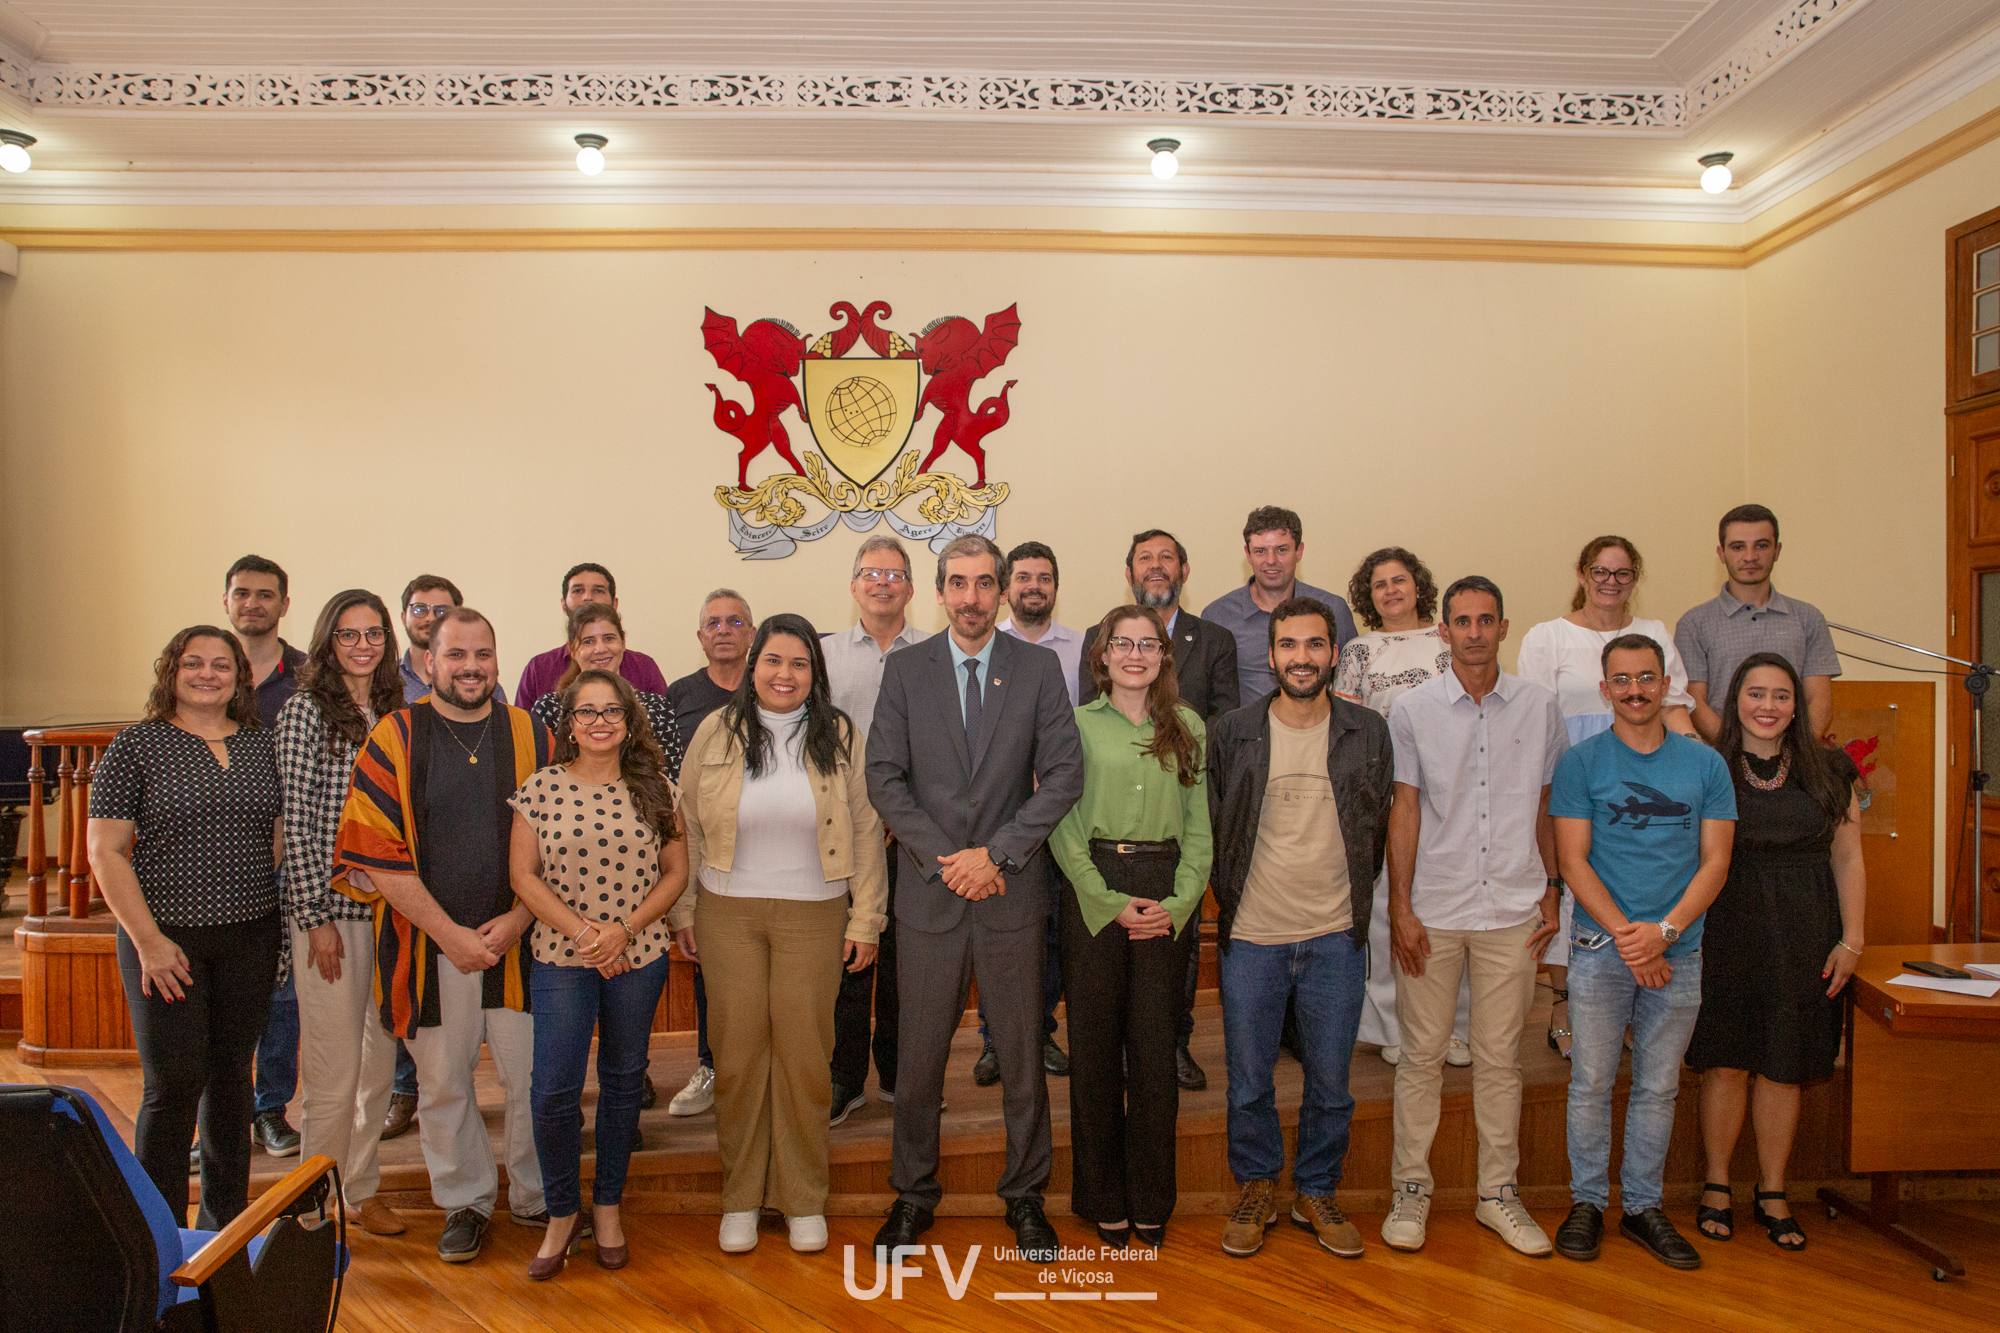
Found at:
(854, 670)
(1065, 642)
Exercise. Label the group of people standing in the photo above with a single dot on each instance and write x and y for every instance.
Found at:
(848, 832)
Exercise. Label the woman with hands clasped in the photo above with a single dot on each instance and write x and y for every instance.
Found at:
(598, 857)
(1136, 851)
(1783, 938)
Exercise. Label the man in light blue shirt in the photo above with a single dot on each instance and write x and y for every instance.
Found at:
(1274, 543)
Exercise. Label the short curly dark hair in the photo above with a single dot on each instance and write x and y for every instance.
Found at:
(1361, 594)
(164, 700)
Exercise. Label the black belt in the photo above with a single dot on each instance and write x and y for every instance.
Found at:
(1135, 848)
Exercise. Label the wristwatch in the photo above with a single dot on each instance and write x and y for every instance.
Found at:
(1006, 865)
(1669, 931)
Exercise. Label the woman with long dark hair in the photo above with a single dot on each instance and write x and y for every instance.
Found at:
(346, 1058)
(1135, 849)
(598, 857)
(185, 833)
(597, 643)
(793, 882)
(1781, 938)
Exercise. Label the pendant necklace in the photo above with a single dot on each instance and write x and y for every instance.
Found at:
(472, 751)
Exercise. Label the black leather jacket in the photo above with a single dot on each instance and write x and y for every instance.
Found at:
(1360, 763)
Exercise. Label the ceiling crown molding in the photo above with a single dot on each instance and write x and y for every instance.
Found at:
(1777, 40)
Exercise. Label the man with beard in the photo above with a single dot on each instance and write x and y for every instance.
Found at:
(1156, 567)
(427, 599)
(1645, 823)
(1299, 786)
(973, 759)
(1274, 544)
(1750, 616)
(422, 834)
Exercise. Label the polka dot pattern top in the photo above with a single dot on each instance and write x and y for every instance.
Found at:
(202, 854)
(597, 854)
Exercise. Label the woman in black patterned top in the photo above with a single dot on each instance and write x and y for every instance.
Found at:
(597, 643)
(185, 833)
(347, 1059)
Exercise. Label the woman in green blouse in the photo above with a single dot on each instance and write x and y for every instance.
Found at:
(1136, 850)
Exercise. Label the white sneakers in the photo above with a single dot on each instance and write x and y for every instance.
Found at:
(1403, 1228)
(1392, 1055)
(739, 1232)
(697, 1096)
(808, 1233)
(1458, 1054)
(1508, 1218)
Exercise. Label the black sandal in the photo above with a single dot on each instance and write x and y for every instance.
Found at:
(1781, 1228)
(1703, 1214)
(1561, 997)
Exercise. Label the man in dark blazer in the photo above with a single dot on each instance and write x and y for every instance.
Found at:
(973, 759)
(1205, 667)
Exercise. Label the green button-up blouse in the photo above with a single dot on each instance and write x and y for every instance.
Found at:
(1130, 797)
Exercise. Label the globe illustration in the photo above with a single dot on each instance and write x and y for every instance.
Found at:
(861, 411)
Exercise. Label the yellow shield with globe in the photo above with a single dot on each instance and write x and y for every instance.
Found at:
(861, 410)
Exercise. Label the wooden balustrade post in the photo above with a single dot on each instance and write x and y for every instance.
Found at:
(38, 852)
(80, 877)
(65, 782)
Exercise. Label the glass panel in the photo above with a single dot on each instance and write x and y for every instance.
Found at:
(1986, 311)
(1986, 353)
(1989, 652)
(1986, 267)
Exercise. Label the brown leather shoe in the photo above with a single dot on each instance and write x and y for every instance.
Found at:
(1319, 1214)
(378, 1218)
(402, 1114)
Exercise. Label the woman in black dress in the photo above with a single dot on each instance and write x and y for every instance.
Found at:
(1781, 939)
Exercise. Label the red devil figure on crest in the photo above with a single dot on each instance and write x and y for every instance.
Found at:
(956, 354)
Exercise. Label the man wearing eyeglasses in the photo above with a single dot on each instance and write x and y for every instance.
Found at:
(427, 599)
(585, 583)
(882, 589)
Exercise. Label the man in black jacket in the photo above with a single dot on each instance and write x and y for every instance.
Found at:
(1299, 790)
(1156, 565)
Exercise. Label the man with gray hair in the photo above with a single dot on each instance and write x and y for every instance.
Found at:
(724, 629)
(882, 587)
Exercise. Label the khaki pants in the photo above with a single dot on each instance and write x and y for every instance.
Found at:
(347, 1059)
(773, 971)
(457, 1150)
(1503, 986)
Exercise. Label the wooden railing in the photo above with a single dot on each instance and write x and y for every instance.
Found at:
(77, 751)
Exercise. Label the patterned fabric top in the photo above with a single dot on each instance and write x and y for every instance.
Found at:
(1377, 666)
(314, 772)
(597, 854)
(659, 712)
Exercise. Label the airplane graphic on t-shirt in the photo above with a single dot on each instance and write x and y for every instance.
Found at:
(1655, 805)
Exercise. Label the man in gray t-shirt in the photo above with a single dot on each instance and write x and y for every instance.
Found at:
(1750, 616)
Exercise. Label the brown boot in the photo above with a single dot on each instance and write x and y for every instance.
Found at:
(378, 1218)
(402, 1114)
(1320, 1215)
(1253, 1214)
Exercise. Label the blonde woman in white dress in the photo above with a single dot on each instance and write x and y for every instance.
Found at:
(1395, 596)
(1566, 655)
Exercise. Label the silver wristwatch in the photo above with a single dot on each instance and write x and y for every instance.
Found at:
(1669, 931)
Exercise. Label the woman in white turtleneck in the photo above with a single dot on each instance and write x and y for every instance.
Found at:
(793, 885)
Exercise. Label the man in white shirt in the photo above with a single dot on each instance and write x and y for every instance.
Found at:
(882, 589)
(1472, 886)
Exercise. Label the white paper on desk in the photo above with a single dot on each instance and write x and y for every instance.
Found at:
(1971, 986)
(1984, 969)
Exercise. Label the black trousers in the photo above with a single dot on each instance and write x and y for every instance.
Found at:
(1124, 1017)
(869, 994)
(196, 1055)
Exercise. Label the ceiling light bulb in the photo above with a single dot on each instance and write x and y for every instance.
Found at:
(1715, 175)
(1165, 164)
(14, 151)
(590, 153)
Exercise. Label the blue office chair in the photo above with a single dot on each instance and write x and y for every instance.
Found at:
(87, 1243)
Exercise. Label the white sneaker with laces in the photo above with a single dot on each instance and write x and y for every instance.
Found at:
(697, 1096)
(1392, 1055)
(1403, 1228)
(1508, 1218)
(739, 1232)
(808, 1233)
(1458, 1054)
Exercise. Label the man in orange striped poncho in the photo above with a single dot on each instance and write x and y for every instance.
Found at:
(424, 837)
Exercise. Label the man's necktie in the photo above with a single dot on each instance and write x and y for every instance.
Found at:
(973, 708)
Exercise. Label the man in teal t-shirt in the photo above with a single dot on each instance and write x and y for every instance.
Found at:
(1645, 820)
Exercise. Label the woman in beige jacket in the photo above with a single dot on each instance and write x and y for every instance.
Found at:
(792, 884)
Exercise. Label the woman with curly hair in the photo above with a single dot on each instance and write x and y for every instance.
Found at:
(598, 857)
(185, 835)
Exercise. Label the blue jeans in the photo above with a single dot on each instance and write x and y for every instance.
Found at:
(569, 1003)
(406, 1071)
(278, 1051)
(1605, 998)
(1324, 978)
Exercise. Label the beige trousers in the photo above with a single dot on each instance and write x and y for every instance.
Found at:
(772, 969)
(1503, 986)
(347, 1059)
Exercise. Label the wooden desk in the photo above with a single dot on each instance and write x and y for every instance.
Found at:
(1923, 1068)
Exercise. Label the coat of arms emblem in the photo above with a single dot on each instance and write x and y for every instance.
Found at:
(862, 412)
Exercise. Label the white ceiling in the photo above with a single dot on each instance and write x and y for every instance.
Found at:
(1800, 89)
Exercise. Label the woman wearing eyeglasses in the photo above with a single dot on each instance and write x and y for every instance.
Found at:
(598, 858)
(346, 1058)
(1566, 655)
(1136, 851)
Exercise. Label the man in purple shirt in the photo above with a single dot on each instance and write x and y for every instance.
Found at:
(585, 583)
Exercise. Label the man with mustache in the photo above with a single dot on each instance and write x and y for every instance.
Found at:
(1298, 791)
(1274, 544)
(1645, 821)
(421, 834)
(1750, 616)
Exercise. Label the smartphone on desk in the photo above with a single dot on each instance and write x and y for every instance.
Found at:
(1931, 969)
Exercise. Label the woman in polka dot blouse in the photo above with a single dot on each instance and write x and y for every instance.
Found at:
(598, 858)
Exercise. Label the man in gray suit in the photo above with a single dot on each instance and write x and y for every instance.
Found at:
(973, 759)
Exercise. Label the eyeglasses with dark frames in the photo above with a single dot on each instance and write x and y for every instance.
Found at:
(347, 638)
(589, 714)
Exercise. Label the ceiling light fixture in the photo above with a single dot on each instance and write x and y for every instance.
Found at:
(1715, 176)
(590, 153)
(14, 147)
(1165, 164)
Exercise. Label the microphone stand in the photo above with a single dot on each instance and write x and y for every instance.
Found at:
(1978, 677)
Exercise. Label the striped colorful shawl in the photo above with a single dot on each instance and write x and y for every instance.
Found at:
(381, 829)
